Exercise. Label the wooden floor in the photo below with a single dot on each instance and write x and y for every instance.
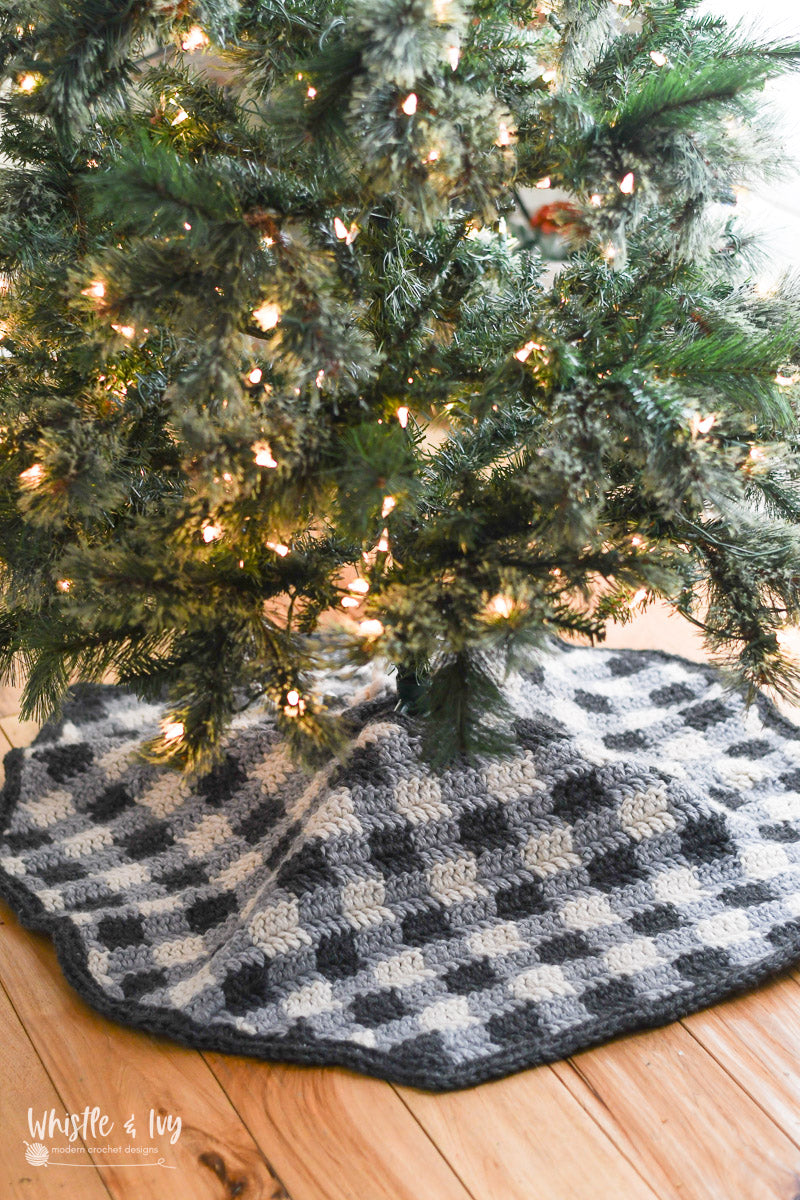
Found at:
(705, 1109)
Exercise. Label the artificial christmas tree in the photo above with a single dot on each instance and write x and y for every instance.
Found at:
(253, 253)
(272, 354)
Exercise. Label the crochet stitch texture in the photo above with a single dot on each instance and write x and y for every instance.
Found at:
(634, 859)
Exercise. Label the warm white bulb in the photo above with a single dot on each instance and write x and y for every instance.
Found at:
(263, 455)
(409, 105)
(194, 39)
(126, 331)
(256, 375)
(279, 548)
(293, 698)
(212, 532)
(595, 200)
(267, 315)
(402, 415)
(27, 83)
(172, 731)
(311, 92)
(370, 628)
(543, 183)
(389, 504)
(180, 116)
(339, 228)
(703, 424)
(453, 57)
(383, 542)
(33, 476)
(350, 602)
(359, 586)
(96, 290)
(64, 585)
(505, 136)
(502, 605)
(627, 184)
(658, 58)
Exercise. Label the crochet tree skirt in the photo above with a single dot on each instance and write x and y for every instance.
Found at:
(635, 858)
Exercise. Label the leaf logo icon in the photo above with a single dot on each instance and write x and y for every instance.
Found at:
(37, 1154)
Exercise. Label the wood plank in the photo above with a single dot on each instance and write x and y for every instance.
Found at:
(92, 1061)
(526, 1137)
(17, 732)
(26, 1085)
(756, 1038)
(696, 1132)
(335, 1135)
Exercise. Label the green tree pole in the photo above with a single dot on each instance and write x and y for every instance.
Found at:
(270, 351)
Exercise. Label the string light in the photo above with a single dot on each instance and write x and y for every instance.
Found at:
(549, 76)
(409, 105)
(212, 532)
(180, 116)
(523, 354)
(784, 380)
(126, 331)
(595, 200)
(370, 628)
(757, 453)
(543, 183)
(27, 83)
(295, 704)
(256, 375)
(505, 136)
(359, 586)
(402, 415)
(703, 424)
(194, 39)
(433, 156)
(453, 57)
(64, 585)
(33, 476)
(350, 602)
(389, 503)
(186, 226)
(320, 378)
(627, 184)
(279, 548)
(267, 315)
(172, 731)
(96, 290)
(348, 236)
(263, 454)
(383, 542)
(658, 58)
(502, 605)
(311, 92)
(637, 541)
(638, 597)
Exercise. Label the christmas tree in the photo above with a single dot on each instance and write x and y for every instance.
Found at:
(272, 351)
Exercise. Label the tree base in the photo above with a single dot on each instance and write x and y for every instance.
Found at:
(634, 859)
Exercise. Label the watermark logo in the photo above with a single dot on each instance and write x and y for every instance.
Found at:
(91, 1131)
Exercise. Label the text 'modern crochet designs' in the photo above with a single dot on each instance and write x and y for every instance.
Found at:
(635, 859)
